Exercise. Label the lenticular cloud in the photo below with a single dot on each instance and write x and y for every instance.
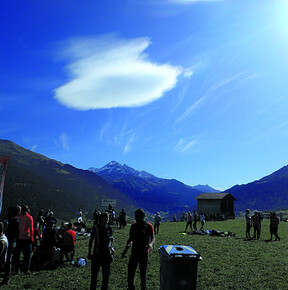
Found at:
(111, 73)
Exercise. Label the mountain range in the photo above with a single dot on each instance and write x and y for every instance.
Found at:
(44, 183)
(148, 191)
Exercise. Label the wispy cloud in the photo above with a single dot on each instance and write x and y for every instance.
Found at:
(185, 144)
(212, 94)
(34, 148)
(63, 138)
(108, 72)
(128, 145)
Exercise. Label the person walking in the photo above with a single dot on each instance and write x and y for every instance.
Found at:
(103, 252)
(195, 219)
(189, 221)
(202, 220)
(142, 238)
(157, 221)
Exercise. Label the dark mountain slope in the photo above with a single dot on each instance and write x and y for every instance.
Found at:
(269, 192)
(44, 183)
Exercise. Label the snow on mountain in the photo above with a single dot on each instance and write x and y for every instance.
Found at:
(114, 167)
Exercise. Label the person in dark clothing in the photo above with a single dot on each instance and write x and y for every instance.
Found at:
(274, 222)
(122, 219)
(49, 237)
(195, 219)
(189, 221)
(11, 230)
(40, 220)
(102, 237)
(142, 238)
(248, 223)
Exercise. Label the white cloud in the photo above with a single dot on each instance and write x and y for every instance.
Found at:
(108, 73)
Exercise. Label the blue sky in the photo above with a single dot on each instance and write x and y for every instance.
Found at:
(191, 90)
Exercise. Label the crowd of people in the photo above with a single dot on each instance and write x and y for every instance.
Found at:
(21, 233)
(255, 221)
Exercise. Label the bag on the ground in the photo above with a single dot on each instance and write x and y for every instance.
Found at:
(81, 262)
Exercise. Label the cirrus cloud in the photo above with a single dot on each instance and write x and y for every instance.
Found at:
(108, 72)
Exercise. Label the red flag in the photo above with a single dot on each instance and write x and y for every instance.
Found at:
(3, 167)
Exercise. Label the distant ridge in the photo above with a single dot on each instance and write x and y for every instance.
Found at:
(206, 188)
(148, 191)
(267, 193)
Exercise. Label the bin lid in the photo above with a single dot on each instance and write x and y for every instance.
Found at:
(176, 250)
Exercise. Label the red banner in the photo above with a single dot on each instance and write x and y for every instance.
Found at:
(3, 167)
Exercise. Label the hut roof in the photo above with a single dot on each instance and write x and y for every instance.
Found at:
(215, 195)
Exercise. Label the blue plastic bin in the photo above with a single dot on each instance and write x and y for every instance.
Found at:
(178, 267)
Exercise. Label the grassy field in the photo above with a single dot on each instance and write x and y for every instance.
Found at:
(228, 262)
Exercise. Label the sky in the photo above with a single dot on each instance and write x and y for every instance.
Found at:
(190, 90)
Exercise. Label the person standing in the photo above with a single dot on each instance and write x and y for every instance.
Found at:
(202, 220)
(11, 230)
(248, 223)
(3, 247)
(256, 225)
(142, 238)
(195, 220)
(189, 221)
(157, 221)
(103, 252)
(24, 240)
(274, 222)
(69, 240)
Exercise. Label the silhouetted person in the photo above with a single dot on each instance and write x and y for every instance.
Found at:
(248, 223)
(142, 238)
(11, 226)
(189, 221)
(274, 222)
(195, 219)
(102, 237)
(157, 221)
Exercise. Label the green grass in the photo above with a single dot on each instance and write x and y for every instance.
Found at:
(228, 262)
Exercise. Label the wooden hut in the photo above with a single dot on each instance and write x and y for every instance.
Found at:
(217, 204)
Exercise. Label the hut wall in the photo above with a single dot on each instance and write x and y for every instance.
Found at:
(209, 206)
